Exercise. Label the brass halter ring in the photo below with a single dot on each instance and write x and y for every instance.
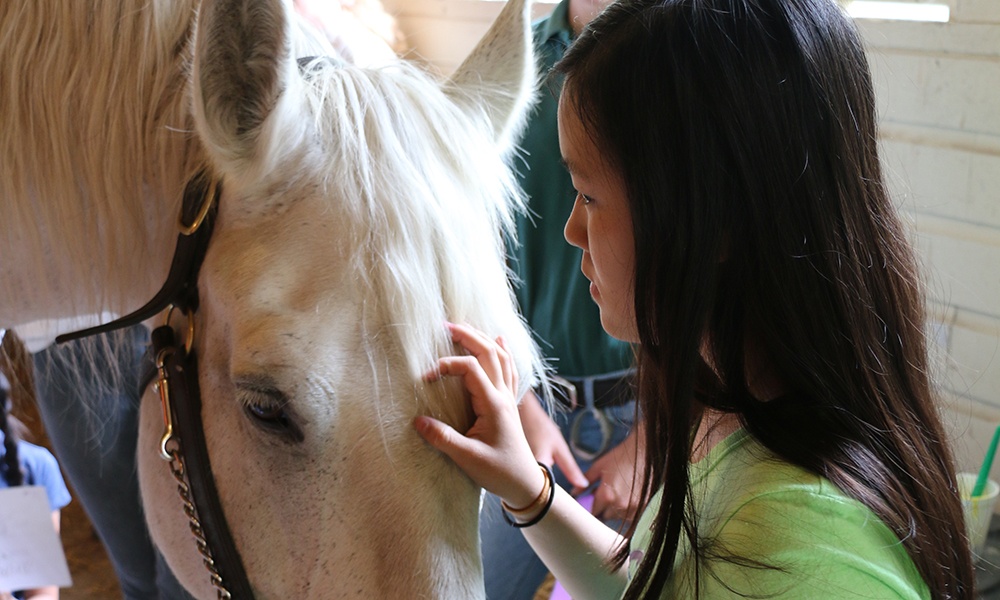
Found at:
(206, 204)
(189, 338)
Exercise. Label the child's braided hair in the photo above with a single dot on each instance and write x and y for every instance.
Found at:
(10, 465)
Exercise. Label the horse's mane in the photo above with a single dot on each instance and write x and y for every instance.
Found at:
(95, 120)
(98, 140)
(430, 194)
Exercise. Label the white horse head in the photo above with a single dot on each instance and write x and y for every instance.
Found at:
(361, 209)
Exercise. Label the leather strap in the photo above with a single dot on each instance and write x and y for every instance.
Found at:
(181, 290)
(185, 396)
(180, 287)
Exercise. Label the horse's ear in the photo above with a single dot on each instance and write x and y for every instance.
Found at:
(242, 74)
(499, 75)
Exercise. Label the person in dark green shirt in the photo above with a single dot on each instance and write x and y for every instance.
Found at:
(587, 438)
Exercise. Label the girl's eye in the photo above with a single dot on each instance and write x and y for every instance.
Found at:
(584, 198)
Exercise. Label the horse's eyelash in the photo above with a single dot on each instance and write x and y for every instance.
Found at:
(252, 390)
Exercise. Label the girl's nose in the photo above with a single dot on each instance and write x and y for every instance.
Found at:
(575, 231)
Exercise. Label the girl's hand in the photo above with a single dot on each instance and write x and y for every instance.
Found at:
(618, 471)
(494, 451)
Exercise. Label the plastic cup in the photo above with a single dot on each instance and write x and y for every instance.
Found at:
(977, 511)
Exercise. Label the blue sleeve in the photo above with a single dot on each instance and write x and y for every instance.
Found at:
(41, 468)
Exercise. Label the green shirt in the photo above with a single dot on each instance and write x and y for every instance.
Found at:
(758, 507)
(553, 294)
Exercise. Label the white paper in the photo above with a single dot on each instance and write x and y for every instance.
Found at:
(31, 554)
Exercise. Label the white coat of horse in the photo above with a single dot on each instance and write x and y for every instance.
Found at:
(362, 208)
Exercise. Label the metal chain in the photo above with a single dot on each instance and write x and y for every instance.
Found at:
(184, 491)
(170, 450)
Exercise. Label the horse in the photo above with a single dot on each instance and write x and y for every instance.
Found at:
(360, 209)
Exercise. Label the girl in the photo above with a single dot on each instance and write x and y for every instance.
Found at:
(735, 227)
(22, 463)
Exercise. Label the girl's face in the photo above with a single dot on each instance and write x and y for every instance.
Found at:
(600, 225)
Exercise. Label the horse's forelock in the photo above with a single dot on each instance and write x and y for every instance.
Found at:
(426, 183)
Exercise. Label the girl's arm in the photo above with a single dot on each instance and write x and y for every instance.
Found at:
(574, 544)
(49, 592)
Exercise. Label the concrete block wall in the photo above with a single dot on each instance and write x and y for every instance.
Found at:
(938, 87)
(442, 32)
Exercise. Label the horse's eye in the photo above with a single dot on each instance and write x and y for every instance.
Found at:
(268, 410)
(268, 415)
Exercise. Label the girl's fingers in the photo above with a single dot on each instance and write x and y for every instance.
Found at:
(503, 469)
(474, 377)
(507, 364)
(494, 444)
(504, 359)
(486, 351)
(444, 438)
(567, 464)
(440, 435)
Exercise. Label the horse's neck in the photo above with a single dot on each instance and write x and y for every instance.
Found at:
(95, 153)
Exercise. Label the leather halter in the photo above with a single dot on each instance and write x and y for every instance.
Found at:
(175, 368)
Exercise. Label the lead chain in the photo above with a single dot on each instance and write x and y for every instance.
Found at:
(184, 491)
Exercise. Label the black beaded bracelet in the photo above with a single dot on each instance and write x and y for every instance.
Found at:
(545, 509)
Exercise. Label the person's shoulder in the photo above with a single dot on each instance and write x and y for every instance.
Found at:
(39, 463)
(35, 453)
(553, 29)
(764, 488)
(754, 470)
(799, 524)
(42, 469)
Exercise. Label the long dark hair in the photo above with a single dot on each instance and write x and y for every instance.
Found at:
(746, 133)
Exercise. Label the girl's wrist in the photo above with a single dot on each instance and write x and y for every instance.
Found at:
(531, 512)
(528, 494)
